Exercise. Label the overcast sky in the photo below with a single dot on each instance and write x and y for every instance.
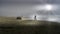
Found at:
(22, 7)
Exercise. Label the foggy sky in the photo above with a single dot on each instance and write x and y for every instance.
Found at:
(22, 7)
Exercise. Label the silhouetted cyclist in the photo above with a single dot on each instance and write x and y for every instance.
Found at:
(35, 17)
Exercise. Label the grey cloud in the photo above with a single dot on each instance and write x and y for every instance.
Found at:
(18, 9)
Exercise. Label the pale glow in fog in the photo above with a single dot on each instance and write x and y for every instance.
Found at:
(44, 7)
(48, 7)
(38, 17)
(32, 17)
